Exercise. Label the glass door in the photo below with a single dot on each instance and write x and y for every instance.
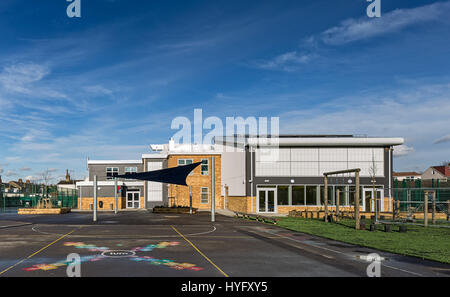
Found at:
(369, 201)
(267, 200)
(133, 200)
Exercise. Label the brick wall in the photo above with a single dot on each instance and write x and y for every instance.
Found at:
(107, 201)
(179, 195)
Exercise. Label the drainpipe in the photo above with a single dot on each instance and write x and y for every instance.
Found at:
(390, 178)
(251, 178)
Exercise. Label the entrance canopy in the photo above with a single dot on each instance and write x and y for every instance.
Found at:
(175, 175)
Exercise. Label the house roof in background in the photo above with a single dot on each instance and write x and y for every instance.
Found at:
(410, 173)
(441, 169)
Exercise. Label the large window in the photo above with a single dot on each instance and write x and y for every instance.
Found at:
(298, 195)
(112, 172)
(204, 195)
(130, 170)
(316, 161)
(311, 195)
(205, 167)
(283, 195)
(182, 162)
(342, 190)
(330, 195)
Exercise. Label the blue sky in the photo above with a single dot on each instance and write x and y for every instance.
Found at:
(108, 84)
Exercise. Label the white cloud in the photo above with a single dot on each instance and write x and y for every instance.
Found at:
(352, 30)
(442, 139)
(403, 150)
(416, 113)
(16, 78)
(290, 61)
(98, 90)
(10, 173)
(25, 169)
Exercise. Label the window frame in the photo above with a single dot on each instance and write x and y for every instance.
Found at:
(202, 193)
(130, 172)
(201, 167)
(192, 161)
(114, 172)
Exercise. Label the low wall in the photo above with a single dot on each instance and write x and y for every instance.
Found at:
(42, 211)
(107, 202)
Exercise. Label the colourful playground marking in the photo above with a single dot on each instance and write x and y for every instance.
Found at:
(109, 253)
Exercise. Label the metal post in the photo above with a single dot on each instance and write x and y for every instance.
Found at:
(115, 196)
(325, 196)
(357, 194)
(81, 197)
(190, 199)
(433, 214)
(213, 194)
(251, 179)
(425, 210)
(95, 198)
(337, 203)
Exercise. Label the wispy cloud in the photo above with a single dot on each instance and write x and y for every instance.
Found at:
(290, 61)
(416, 113)
(10, 173)
(358, 29)
(442, 139)
(403, 150)
(98, 90)
(352, 30)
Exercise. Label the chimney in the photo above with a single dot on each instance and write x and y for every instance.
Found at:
(67, 175)
(171, 144)
(447, 170)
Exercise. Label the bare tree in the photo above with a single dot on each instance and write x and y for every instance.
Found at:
(372, 173)
(46, 176)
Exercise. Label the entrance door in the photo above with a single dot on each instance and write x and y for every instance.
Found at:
(369, 201)
(133, 199)
(267, 200)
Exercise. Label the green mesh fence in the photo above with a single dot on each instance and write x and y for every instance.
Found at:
(59, 199)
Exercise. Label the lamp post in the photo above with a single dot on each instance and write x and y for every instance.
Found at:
(213, 194)
(95, 199)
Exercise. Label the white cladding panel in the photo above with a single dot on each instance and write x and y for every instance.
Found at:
(316, 161)
(304, 154)
(365, 154)
(233, 173)
(154, 190)
(304, 168)
(332, 154)
(331, 166)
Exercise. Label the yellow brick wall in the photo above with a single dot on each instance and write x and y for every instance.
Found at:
(179, 195)
(247, 204)
(87, 201)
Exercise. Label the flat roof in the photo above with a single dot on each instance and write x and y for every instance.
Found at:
(100, 162)
(309, 140)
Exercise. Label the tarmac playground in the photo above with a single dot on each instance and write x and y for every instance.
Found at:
(144, 244)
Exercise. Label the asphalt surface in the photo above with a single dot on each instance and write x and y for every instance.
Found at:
(154, 245)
